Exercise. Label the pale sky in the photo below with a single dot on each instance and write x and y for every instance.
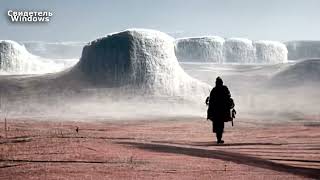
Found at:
(85, 20)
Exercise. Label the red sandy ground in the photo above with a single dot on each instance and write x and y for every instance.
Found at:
(158, 149)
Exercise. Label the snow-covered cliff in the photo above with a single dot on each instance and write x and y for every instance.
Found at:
(15, 59)
(137, 60)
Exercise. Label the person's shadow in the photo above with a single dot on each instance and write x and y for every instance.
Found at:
(233, 144)
(227, 156)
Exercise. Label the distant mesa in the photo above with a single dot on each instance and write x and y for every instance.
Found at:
(139, 59)
(301, 50)
(55, 50)
(302, 73)
(232, 50)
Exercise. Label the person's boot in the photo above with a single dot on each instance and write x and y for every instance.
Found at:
(220, 141)
(219, 137)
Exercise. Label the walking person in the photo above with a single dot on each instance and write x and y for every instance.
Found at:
(220, 108)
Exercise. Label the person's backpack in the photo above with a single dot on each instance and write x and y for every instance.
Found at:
(230, 103)
(233, 112)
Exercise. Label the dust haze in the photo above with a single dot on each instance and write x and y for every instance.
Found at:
(250, 86)
(135, 74)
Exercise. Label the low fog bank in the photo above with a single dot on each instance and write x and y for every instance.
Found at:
(255, 98)
(97, 104)
(258, 97)
(292, 104)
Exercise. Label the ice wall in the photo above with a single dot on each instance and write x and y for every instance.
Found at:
(139, 61)
(303, 49)
(270, 52)
(204, 49)
(239, 50)
(233, 50)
